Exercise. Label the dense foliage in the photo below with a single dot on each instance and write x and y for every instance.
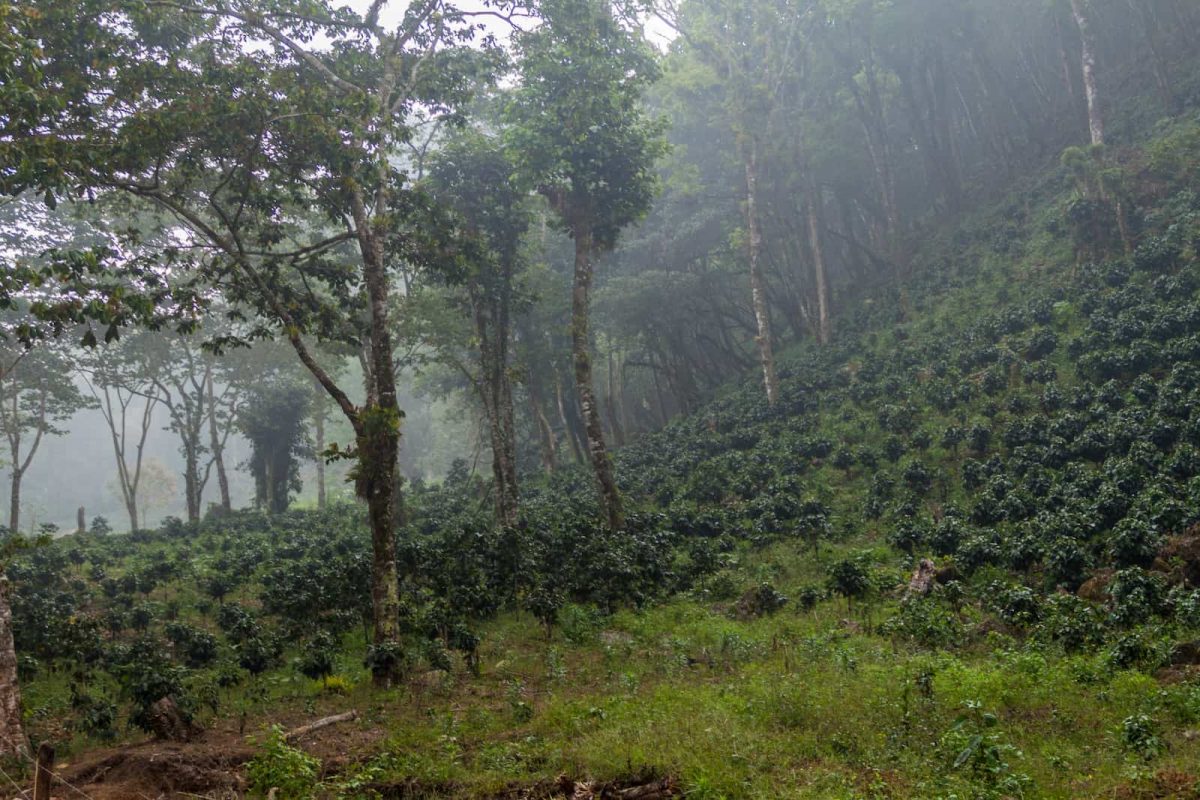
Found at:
(1046, 455)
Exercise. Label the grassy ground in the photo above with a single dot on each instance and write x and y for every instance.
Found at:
(799, 704)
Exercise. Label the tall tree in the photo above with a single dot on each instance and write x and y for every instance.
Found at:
(473, 171)
(183, 382)
(586, 144)
(1087, 45)
(222, 407)
(753, 49)
(272, 418)
(36, 394)
(122, 379)
(270, 134)
(319, 414)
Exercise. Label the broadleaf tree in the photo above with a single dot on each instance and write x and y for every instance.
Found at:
(37, 394)
(270, 133)
(585, 142)
(473, 172)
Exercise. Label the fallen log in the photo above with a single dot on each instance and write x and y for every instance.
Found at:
(654, 790)
(657, 790)
(324, 722)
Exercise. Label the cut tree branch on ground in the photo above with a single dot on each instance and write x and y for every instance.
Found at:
(324, 722)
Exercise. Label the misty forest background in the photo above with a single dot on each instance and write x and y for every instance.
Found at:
(726, 398)
(885, 121)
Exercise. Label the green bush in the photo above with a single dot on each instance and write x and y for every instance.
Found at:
(280, 766)
(1139, 735)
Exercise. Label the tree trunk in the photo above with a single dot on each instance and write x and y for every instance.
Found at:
(580, 346)
(614, 419)
(658, 394)
(1088, 50)
(266, 495)
(824, 326)
(874, 123)
(489, 395)
(506, 416)
(12, 732)
(218, 451)
(319, 426)
(545, 431)
(499, 476)
(132, 509)
(508, 446)
(926, 114)
(378, 438)
(622, 406)
(758, 294)
(191, 480)
(14, 504)
(378, 448)
(495, 392)
(1064, 61)
(568, 428)
(1152, 27)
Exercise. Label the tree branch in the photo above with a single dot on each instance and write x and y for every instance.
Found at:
(259, 22)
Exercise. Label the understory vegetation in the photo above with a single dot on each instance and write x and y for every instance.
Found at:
(1022, 415)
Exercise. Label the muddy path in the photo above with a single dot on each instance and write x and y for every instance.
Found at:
(212, 767)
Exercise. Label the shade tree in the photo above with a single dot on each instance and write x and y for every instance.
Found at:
(37, 395)
(278, 164)
(586, 144)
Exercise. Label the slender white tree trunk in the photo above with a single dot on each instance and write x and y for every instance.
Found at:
(1088, 47)
(758, 293)
(824, 326)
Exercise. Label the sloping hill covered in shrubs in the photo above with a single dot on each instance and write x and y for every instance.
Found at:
(1023, 411)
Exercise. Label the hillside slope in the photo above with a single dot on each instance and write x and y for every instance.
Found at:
(1025, 414)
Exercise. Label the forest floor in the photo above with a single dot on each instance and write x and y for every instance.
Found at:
(212, 766)
(798, 704)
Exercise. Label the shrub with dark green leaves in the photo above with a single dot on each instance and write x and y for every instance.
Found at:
(917, 477)
(1137, 595)
(1133, 543)
(1071, 622)
(317, 657)
(93, 715)
(257, 654)
(1067, 562)
(146, 676)
(195, 647)
(851, 577)
(1016, 604)
(926, 622)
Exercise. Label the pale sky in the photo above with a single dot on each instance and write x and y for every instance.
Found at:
(658, 33)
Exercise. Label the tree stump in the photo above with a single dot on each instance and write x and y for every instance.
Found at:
(922, 579)
(42, 777)
(168, 722)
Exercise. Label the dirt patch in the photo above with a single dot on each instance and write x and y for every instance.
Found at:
(1095, 588)
(1179, 558)
(1166, 784)
(210, 765)
(638, 787)
(207, 766)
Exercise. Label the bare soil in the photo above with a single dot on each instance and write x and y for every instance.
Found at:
(211, 767)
